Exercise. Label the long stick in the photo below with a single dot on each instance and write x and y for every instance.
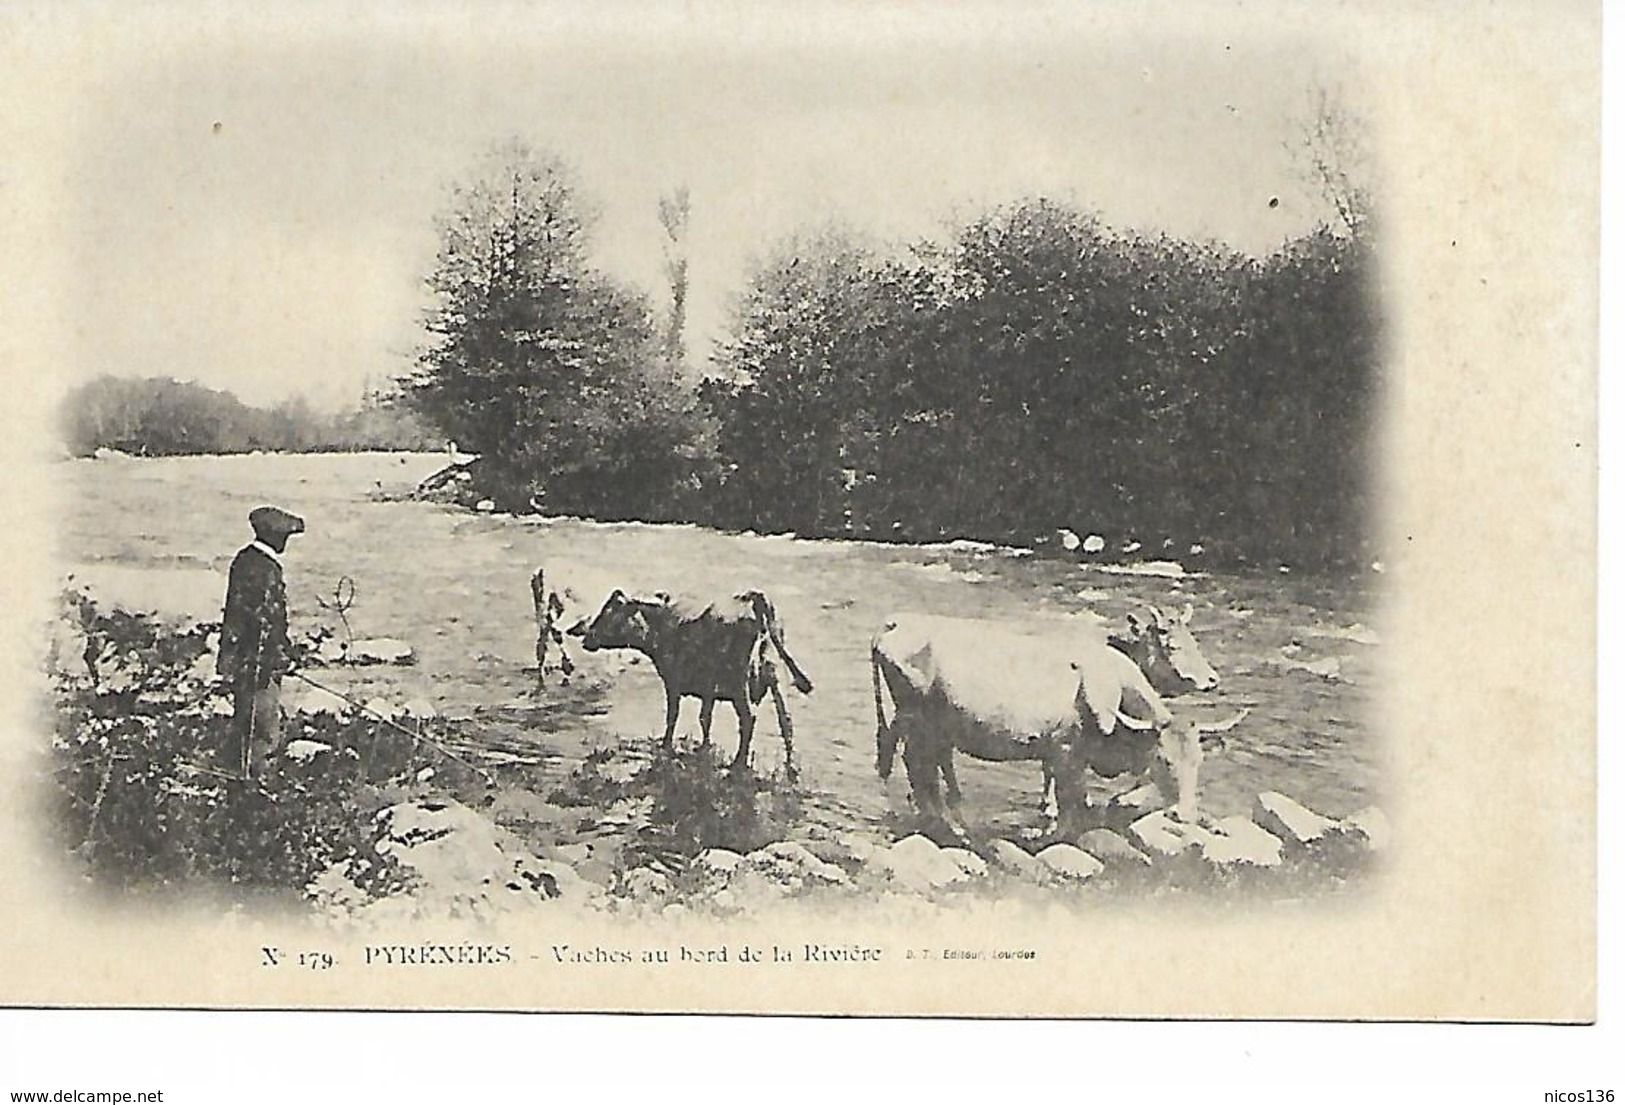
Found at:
(393, 724)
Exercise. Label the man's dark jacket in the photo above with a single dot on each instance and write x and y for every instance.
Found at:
(254, 645)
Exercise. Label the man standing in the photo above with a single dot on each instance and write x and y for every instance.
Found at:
(254, 649)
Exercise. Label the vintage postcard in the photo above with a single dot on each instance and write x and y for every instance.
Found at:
(1066, 510)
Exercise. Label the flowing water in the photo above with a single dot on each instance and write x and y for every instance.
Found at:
(1299, 653)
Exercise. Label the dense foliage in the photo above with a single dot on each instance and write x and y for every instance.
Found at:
(161, 417)
(552, 371)
(1042, 371)
(1037, 371)
(141, 759)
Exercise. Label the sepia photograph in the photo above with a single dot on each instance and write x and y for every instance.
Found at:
(858, 510)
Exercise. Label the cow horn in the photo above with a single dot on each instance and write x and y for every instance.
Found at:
(1221, 726)
(1135, 723)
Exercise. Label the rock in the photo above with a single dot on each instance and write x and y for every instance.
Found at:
(835, 851)
(862, 850)
(791, 863)
(969, 862)
(551, 879)
(381, 708)
(1293, 823)
(465, 864)
(380, 650)
(305, 750)
(419, 708)
(1112, 848)
(1069, 863)
(485, 506)
(425, 775)
(1161, 834)
(573, 854)
(1238, 840)
(1327, 667)
(718, 861)
(302, 698)
(643, 883)
(334, 890)
(917, 864)
(1016, 859)
(1067, 540)
(1369, 826)
(1094, 543)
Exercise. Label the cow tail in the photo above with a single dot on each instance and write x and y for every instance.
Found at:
(885, 735)
(770, 621)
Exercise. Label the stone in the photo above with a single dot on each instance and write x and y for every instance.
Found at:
(916, 863)
(752, 887)
(380, 650)
(574, 854)
(1112, 848)
(1239, 840)
(790, 861)
(1370, 826)
(643, 883)
(304, 751)
(1160, 834)
(419, 708)
(969, 862)
(1016, 859)
(302, 698)
(1070, 863)
(485, 506)
(1094, 543)
(718, 861)
(1295, 824)
(378, 707)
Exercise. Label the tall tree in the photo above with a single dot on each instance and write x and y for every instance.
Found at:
(674, 255)
(546, 366)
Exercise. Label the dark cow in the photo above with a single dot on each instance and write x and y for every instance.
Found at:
(706, 649)
(998, 692)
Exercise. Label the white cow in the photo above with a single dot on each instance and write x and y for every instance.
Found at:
(998, 691)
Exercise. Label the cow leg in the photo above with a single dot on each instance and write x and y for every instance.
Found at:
(707, 706)
(924, 765)
(950, 778)
(671, 719)
(747, 725)
(786, 730)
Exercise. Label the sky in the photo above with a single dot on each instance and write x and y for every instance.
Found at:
(250, 204)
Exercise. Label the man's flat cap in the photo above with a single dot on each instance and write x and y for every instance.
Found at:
(269, 521)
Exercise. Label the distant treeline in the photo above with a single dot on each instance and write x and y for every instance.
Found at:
(1035, 370)
(161, 417)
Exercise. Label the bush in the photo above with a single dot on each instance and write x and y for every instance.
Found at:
(141, 762)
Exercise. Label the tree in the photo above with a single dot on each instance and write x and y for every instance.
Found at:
(1335, 158)
(549, 368)
(674, 256)
(792, 402)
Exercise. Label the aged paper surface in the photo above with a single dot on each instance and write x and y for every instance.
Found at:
(1484, 119)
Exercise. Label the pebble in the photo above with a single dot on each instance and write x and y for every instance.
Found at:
(1294, 823)
(1070, 863)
